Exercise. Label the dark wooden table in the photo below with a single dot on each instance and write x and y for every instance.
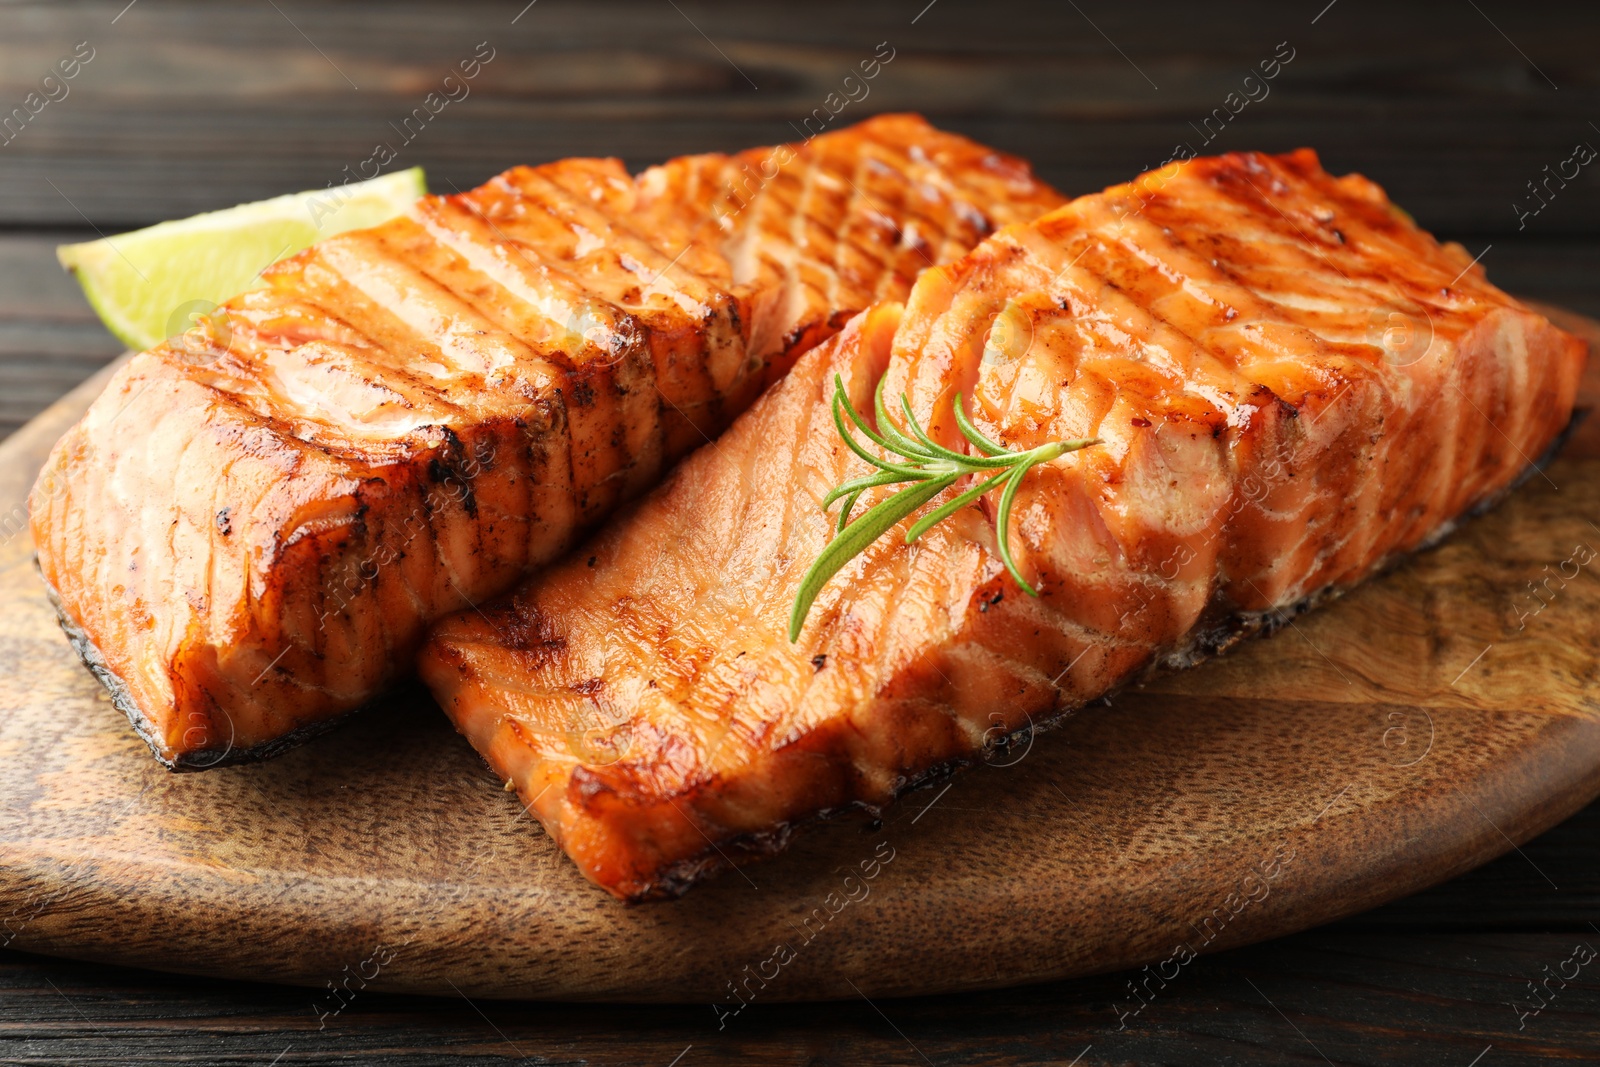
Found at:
(1455, 107)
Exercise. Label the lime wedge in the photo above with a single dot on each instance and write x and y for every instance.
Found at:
(147, 285)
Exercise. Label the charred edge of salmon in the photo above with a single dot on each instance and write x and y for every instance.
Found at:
(1208, 640)
(122, 699)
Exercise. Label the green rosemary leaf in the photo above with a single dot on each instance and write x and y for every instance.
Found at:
(933, 447)
(898, 441)
(844, 512)
(853, 539)
(1002, 525)
(887, 435)
(856, 486)
(842, 401)
(973, 434)
(932, 468)
(950, 507)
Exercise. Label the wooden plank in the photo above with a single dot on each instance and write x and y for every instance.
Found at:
(50, 339)
(1375, 999)
(231, 155)
(1552, 883)
(33, 287)
(194, 107)
(1561, 272)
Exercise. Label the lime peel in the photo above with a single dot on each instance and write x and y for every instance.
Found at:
(146, 284)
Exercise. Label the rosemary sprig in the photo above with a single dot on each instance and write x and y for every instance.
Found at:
(931, 469)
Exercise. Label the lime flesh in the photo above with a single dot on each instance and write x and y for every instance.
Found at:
(148, 285)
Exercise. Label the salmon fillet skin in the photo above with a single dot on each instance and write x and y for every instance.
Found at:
(249, 532)
(1291, 384)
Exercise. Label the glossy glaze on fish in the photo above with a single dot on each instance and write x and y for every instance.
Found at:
(1291, 383)
(249, 532)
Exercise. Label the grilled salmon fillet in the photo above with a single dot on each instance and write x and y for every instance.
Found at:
(1291, 385)
(251, 529)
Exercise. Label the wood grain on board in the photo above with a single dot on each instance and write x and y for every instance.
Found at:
(1403, 735)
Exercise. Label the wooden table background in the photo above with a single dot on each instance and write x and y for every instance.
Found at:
(1456, 107)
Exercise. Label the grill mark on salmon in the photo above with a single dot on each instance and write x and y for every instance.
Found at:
(406, 420)
(1223, 326)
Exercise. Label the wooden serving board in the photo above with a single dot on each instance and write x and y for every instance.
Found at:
(1401, 736)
